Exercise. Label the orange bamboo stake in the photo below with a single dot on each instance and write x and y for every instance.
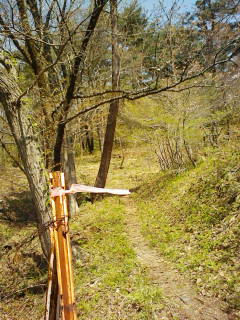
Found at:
(63, 251)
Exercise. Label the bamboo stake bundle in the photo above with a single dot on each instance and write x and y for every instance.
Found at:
(61, 252)
(60, 301)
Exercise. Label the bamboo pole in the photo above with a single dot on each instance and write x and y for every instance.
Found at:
(63, 251)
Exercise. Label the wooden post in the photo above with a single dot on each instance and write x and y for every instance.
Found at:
(63, 250)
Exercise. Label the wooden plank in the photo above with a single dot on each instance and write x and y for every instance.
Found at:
(52, 310)
(68, 246)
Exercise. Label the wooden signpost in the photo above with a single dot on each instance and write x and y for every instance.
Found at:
(60, 254)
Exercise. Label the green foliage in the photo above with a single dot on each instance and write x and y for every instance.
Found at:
(133, 22)
(208, 11)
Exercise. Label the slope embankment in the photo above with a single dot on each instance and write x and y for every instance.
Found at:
(192, 221)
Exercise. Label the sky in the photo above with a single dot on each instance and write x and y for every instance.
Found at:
(149, 4)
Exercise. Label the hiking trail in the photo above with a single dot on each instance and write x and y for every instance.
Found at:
(181, 299)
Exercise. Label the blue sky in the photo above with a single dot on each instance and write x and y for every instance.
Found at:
(149, 4)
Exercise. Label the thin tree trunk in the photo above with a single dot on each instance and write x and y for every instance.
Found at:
(114, 106)
(187, 149)
(77, 66)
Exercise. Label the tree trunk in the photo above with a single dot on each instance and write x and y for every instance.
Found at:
(20, 121)
(114, 106)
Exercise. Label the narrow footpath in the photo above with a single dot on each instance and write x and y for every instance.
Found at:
(181, 299)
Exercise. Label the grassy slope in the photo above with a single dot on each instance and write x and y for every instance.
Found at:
(193, 219)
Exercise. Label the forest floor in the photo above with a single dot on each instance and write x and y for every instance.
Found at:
(161, 253)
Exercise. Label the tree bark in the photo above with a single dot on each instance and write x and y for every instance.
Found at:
(114, 106)
(20, 121)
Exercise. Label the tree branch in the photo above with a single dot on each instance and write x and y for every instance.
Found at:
(81, 54)
(36, 14)
(59, 55)
(99, 5)
(26, 27)
(141, 94)
(14, 40)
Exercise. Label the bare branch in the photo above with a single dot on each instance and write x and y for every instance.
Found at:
(60, 52)
(15, 41)
(26, 27)
(79, 58)
(36, 14)
(148, 92)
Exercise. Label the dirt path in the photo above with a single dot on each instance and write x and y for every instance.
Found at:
(183, 303)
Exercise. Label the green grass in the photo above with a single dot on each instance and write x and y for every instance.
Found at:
(193, 219)
(110, 283)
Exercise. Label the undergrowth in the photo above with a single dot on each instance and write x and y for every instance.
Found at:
(109, 281)
(23, 269)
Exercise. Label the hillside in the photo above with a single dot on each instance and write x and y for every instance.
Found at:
(192, 218)
(168, 249)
